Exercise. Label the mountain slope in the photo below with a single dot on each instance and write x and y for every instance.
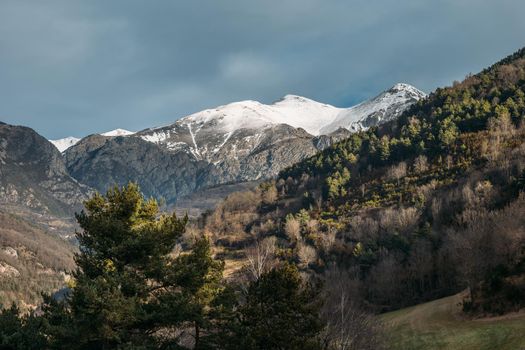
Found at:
(417, 208)
(37, 201)
(33, 175)
(440, 324)
(32, 260)
(383, 108)
(101, 162)
(240, 142)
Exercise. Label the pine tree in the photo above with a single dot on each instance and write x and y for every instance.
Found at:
(20, 331)
(130, 291)
(281, 312)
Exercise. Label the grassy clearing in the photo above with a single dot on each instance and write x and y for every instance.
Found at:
(440, 325)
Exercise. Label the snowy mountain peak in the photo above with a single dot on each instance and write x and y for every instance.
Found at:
(233, 116)
(205, 133)
(118, 132)
(296, 111)
(403, 87)
(294, 99)
(65, 143)
(384, 107)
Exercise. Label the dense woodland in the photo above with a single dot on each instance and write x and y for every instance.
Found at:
(422, 207)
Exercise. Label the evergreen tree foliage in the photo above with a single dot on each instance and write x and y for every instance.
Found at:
(281, 311)
(130, 290)
(20, 332)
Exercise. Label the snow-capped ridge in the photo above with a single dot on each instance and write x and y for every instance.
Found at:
(295, 99)
(236, 129)
(407, 87)
(65, 143)
(118, 132)
(205, 133)
(386, 106)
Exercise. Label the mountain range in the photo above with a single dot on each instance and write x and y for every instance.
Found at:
(234, 143)
(238, 143)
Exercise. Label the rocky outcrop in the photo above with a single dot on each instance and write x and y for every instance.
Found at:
(101, 162)
(33, 174)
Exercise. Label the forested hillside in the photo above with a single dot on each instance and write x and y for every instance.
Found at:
(419, 208)
(32, 261)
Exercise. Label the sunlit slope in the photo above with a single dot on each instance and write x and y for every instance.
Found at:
(440, 325)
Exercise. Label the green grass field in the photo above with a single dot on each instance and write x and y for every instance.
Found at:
(440, 325)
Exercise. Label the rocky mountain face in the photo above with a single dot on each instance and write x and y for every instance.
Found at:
(33, 174)
(100, 161)
(239, 142)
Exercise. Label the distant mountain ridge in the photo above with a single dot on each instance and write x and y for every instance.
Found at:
(65, 143)
(314, 117)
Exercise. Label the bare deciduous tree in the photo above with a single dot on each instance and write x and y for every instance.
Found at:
(312, 226)
(449, 161)
(363, 227)
(348, 325)
(421, 164)
(261, 257)
(401, 220)
(270, 195)
(292, 228)
(486, 240)
(306, 254)
(420, 264)
(327, 239)
(397, 171)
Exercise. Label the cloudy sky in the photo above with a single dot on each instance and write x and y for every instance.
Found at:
(78, 67)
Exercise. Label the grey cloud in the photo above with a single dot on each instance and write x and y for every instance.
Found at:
(77, 67)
